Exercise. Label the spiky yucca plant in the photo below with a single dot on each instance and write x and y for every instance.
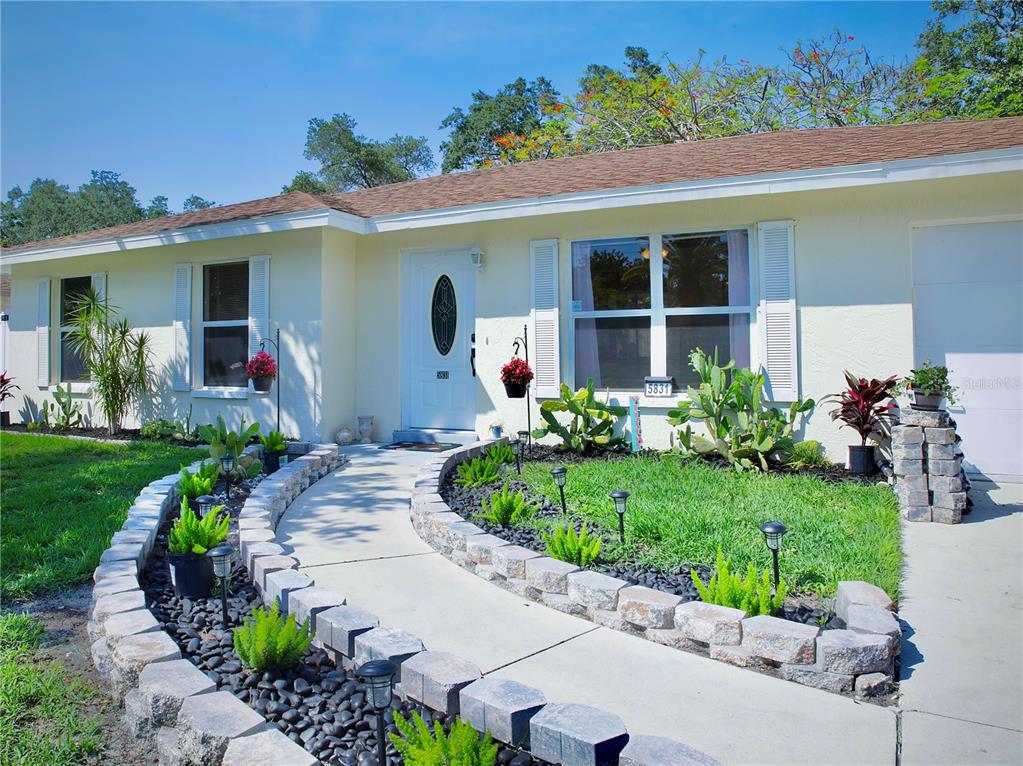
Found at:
(269, 640)
(462, 746)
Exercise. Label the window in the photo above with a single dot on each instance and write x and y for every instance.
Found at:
(225, 324)
(641, 305)
(72, 366)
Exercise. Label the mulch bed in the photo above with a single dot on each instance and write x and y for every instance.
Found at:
(124, 435)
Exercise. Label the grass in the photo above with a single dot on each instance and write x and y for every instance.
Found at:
(44, 712)
(681, 511)
(62, 500)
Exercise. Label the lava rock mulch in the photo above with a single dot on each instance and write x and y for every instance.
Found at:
(317, 704)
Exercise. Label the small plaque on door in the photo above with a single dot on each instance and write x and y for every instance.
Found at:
(442, 374)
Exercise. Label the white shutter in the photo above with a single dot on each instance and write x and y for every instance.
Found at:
(43, 333)
(259, 301)
(546, 358)
(99, 285)
(779, 351)
(181, 361)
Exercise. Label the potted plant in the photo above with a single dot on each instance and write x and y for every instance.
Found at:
(863, 408)
(261, 369)
(273, 448)
(928, 385)
(7, 389)
(190, 537)
(496, 429)
(195, 485)
(515, 375)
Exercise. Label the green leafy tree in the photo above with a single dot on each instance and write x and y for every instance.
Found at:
(158, 208)
(195, 202)
(305, 181)
(515, 109)
(44, 211)
(350, 161)
(106, 200)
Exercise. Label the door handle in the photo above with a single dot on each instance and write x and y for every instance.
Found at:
(472, 354)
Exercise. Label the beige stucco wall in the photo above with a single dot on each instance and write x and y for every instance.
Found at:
(140, 283)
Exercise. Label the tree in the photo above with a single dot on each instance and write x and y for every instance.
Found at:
(349, 161)
(106, 200)
(305, 181)
(195, 202)
(44, 211)
(516, 109)
(157, 208)
(975, 68)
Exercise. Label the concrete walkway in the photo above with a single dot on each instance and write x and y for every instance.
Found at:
(961, 693)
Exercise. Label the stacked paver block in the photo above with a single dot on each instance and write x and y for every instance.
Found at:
(929, 478)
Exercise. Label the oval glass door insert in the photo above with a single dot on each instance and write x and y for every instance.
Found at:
(443, 315)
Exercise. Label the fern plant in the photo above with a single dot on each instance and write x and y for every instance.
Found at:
(808, 454)
(192, 485)
(500, 453)
(566, 544)
(505, 507)
(273, 441)
(269, 640)
(462, 746)
(190, 534)
(477, 472)
(751, 593)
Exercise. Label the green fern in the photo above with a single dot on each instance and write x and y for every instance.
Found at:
(192, 485)
(506, 507)
(273, 442)
(190, 534)
(500, 453)
(462, 746)
(269, 640)
(751, 593)
(478, 472)
(580, 548)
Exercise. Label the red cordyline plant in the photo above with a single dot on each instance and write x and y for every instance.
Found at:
(261, 365)
(7, 387)
(862, 405)
(516, 371)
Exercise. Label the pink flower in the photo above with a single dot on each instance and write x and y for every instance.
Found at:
(261, 365)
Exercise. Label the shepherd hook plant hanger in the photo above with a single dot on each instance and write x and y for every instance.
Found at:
(277, 347)
(524, 341)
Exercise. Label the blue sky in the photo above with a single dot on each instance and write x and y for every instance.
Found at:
(213, 98)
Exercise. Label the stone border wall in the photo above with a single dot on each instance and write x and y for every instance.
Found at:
(169, 699)
(859, 659)
(929, 478)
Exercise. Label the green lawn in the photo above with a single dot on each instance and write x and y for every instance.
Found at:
(681, 511)
(44, 712)
(62, 499)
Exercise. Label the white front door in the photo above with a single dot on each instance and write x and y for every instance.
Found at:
(440, 292)
(968, 316)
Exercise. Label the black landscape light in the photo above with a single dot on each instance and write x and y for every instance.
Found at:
(227, 466)
(560, 475)
(205, 503)
(221, 556)
(774, 531)
(378, 675)
(620, 497)
(524, 440)
(523, 443)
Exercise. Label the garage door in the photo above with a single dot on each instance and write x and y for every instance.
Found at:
(968, 316)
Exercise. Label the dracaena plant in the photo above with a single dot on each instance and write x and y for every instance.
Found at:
(864, 406)
(591, 422)
(7, 387)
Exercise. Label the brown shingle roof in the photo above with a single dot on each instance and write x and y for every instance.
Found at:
(671, 163)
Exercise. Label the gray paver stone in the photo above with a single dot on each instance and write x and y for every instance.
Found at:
(309, 602)
(915, 498)
(522, 588)
(595, 590)
(908, 452)
(459, 532)
(133, 653)
(576, 735)
(924, 418)
(917, 513)
(851, 592)
(263, 566)
(480, 547)
(941, 451)
(207, 722)
(670, 637)
(391, 644)
(255, 550)
(167, 747)
(338, 627)
(436, 678)
(101, 657)
(562, 603)
(872, 684)
(941, 515)
(260, 522)
(120, 624)
(851, 653)
(811, 675)
(164, 686)
(955, 501)
(710, 623)
(125, 601)
(647, 607)
(939, 436)
(779, 640)
(143, 536)
(945, 483)
(549, 575)
(115, 569)
(510, 560)
(943, 467)
(139, 725)
(114, 585)
(644, 750)
(875, 620)
(281, 584)
(134, 552)
(911, 483)
(907, 434)
(266, 748)
(501, 706)
(908, 467)
(611, 619)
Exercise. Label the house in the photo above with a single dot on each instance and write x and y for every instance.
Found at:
(806, 253)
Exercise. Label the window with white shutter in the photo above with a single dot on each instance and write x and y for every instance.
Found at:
(181, 363)
(546, 345)
(43, 332)
(779, 350)
(72, 291)
(259, 301)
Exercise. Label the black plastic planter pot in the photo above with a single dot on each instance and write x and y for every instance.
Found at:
(861, 459)
(515, 390)
(272, 461)
(192, 574)
(927, 402)
(5, 419)
(262, 385)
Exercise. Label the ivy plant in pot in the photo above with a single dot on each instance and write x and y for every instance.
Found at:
(863, 407)
(516, 375)
(928, 385)
(261, 369)
(273, 448)
(190, 537)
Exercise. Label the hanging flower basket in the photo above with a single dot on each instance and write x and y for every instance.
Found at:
(516, 375)
(261, 369)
